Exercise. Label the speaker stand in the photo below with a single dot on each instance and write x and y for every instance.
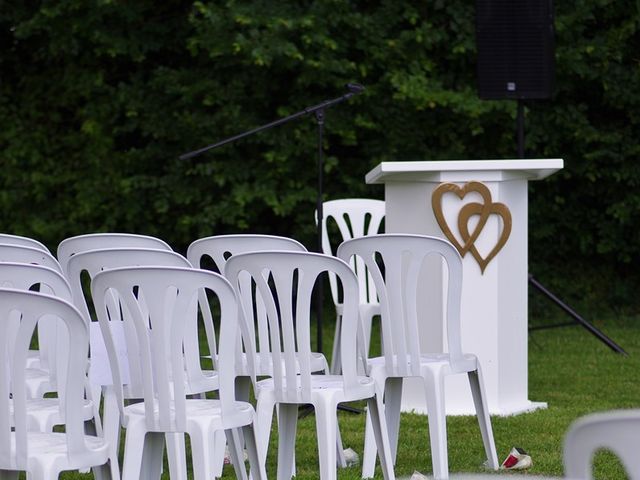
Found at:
(545, 291)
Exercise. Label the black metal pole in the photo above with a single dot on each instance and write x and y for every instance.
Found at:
(520, 127)
(354, 89)
(320, 291)
(572, 313)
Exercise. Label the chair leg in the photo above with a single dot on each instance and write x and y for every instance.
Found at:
(340, 458)
(434, 383)
(326, 422)
(236, 452)
(369, 456)
(287, 425)
(264, 417)
(111, 430)
(41, 471)
(152, 456)
(219, 442)
(484, 420)
(95, 391)
(391, 408)
(176, 456)
(201, 451)
(142, 452)
(257, 468)
(392, 405)
(380, 431)
(336, 361)
(104, 472)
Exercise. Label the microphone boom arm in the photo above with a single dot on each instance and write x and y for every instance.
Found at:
(354, 89)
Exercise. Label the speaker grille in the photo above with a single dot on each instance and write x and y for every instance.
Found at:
(515, 42)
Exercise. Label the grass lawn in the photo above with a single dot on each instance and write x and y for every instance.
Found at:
(568, 368)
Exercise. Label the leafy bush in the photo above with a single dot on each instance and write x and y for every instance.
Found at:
(99, 98)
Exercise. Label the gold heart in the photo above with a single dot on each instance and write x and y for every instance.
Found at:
(436, 204)
(470, 209)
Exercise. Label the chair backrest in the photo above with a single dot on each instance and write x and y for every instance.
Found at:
(221, 247)
(617, 430)
(23, 276)
(23, 254)
(97, 241)
(32, 307)
(159, 331)
(9, 239)
(95, 261)
(285, 281)
(355, 218)
(396, 262)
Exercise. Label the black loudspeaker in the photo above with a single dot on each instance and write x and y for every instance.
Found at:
(515, 43)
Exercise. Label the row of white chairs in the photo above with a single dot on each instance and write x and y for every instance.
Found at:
(125, 290)
(82, 261)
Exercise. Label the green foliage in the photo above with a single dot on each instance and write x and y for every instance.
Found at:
(98, 99)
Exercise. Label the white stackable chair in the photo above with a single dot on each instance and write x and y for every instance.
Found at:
(354, 218)
(7, 238)
(43, 455)
(44, 413)
(285, 281)
(157, 340)
(38, 376)
(222, 247)
(397, 285)
(93, 262)
(219, 249)
(617, 430)
(96, 241)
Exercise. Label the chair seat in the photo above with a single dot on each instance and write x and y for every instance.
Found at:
(199, 410)
(264, 364)
(427, 360)
(209, 383)
(323, 383)
(44, 413)
(38, 382)
(51, 448)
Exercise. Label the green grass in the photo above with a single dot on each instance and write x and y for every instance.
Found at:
(568, 368)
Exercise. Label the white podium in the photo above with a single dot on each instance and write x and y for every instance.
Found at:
(481, 207)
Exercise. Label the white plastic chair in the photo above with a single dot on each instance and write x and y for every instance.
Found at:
(219, 249)
(96, 241)
(38, 376)
(93, 262)
(158, 332)
(7, 238)
(43, 413)
(617, 430)
(354, 218)
(43, 455)
(398, 290)
(285, 281)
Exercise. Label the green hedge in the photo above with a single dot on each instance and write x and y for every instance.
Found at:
(98, 99)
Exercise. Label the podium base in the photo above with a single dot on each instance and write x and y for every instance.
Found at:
(458, 400)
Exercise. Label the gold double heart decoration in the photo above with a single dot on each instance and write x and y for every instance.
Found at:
(483, 210)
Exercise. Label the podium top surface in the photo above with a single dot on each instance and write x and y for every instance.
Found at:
(452, 170)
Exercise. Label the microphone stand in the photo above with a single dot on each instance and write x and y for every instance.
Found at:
(319, 111)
